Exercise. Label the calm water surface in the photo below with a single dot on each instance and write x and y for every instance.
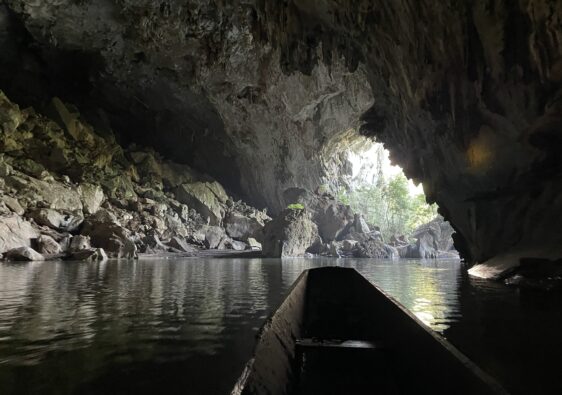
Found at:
(188, 326)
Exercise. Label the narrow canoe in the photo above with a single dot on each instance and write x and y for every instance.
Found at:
(336, 333)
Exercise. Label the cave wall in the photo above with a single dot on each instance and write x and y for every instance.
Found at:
(465, 94)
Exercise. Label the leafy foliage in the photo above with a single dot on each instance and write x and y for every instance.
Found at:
(389, 205)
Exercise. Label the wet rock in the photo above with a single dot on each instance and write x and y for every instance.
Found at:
(289, 235)
(24, 254)
(92, 197)
(90, 254)
(46, 245)
(62, 221)
(15, 232)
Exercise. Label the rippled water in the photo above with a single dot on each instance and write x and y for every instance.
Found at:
(186, 326)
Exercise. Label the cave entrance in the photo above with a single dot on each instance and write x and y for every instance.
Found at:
(387, 199)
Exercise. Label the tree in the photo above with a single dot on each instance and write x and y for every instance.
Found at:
(389, 205)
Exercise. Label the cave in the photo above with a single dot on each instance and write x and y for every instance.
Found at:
(259, 102)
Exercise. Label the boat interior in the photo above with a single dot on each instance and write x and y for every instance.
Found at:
(336, 333)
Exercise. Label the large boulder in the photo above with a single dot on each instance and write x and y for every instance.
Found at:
(50, 194)
(46, 245)
(92, 197)
(24, 254)
(15, 232)
(106, 232)
(240, 227)
(331, 216)
(374, 248)
(61, 221)
(289, 235)
(205, 197)
(432, 240)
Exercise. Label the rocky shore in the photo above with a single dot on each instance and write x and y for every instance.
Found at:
(70, 191)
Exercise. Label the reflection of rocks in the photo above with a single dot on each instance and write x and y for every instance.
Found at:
(289, 235)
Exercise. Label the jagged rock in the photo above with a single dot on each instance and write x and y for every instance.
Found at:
(15, 232)
(229, 244)
(46, 245)
(289, 235)
(62, 221)
(24, 254)
(92, 197)
(152, 243)
(53, 194)
(349, 245)
(205, 198)
(360, 225)
(80, 242)
(90, 254)
(376, 249)
(181, 245)
(213, 236)
(253, 244)
(240, 227)
(13, 204)
(5, 169)
(120, 187)
(107, 233)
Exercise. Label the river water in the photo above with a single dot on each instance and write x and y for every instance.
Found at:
(188, 326)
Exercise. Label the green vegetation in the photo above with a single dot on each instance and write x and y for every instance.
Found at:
(295, 206)
(389, 205)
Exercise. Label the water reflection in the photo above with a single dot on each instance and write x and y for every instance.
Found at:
(157, 322)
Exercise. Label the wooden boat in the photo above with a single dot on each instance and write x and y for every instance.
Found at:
(336, 333)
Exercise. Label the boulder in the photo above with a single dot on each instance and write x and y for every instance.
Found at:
(51, 194)
(46, 245)
(92, 197)
(107, 233)
(24, 254)
(61, 221)
(80, 242)
(253, 244)
(180, 244)
(15, 232)
(240, 227)
(213, 236)
(202, 196)
(375, 249)
(360, 225)
(13, 205)
(289, 235)
(89, 254)
(229, 244)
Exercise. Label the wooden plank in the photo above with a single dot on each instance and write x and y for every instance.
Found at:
(333, 343)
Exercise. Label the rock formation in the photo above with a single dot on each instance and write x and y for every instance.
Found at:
(263, 94)
(67, 192)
